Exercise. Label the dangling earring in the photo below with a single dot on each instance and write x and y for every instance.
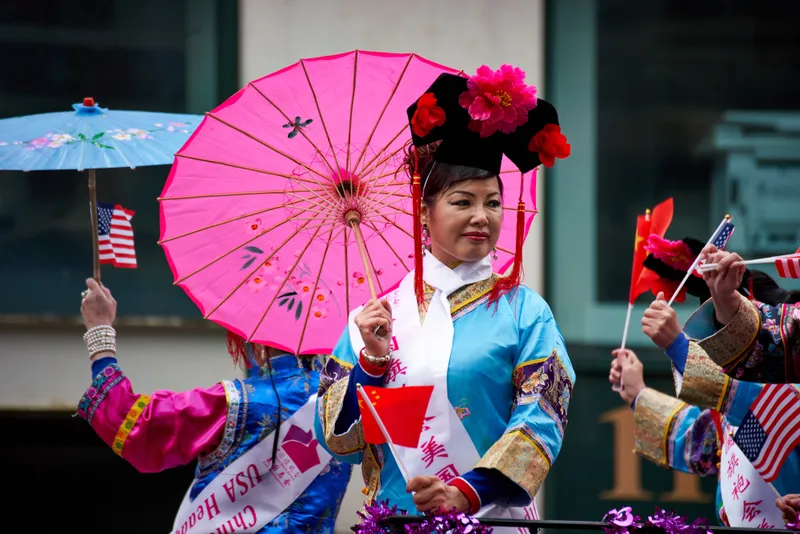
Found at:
(426, 239)
(494, 253)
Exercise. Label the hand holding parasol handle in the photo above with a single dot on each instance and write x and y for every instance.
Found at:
(354, 220)
(95, 228)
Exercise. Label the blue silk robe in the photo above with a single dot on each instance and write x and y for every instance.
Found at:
(509, 379)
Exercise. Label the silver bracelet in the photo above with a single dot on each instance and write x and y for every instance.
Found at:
(378, 361)
(102, 338)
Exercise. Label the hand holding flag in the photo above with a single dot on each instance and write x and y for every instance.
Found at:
(718, 239)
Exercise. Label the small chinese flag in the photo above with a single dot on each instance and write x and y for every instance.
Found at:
(657, 223)
(401, 410)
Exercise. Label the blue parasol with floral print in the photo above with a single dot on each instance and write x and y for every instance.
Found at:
(90, 138)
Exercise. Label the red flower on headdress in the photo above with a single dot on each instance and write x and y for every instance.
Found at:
(675, 254)
(498, 100)
(427, 116)
(550, 143)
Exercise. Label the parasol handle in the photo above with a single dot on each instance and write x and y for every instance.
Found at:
(354, 220)
(95, 229)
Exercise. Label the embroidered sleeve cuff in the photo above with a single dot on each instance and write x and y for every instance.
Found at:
(107, 378)
(678, 351)
(654, 421)
(734, 340)
(522, 457)
(102, 363)
(469, 492)
(344, 437)
(704, 383)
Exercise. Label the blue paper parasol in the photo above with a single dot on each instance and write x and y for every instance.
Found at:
(89, 138)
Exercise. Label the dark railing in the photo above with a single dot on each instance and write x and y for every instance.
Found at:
(396, 524)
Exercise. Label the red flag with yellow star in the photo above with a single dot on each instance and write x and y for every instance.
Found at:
(657, 223)
(401, 410)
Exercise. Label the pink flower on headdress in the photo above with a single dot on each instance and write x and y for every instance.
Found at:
(675, 254)
(498, 100)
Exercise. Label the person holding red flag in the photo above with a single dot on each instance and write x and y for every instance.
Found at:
(490, 347)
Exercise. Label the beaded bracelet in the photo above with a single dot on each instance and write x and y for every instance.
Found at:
(102, 338)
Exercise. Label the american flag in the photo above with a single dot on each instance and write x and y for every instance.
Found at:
(725, 233)
(770, 430)
(789, 267)
(719, 241)
(115, 235)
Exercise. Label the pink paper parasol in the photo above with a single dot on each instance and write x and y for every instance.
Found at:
(288, 207)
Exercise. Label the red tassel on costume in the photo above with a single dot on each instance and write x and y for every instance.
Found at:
(237, 348)
(507, 283)
(416, 200)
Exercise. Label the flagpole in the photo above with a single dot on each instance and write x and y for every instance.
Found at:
(95, 229)
(689, 272)
(371, 408)
(759, 261)
(620, 386)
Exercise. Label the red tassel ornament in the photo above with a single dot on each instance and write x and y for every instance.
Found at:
(509, 282)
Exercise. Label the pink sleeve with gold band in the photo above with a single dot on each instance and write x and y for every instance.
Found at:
(158, 431)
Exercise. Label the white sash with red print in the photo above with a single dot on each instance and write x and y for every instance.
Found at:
(422, 357)
(251, 491)
(748, 501)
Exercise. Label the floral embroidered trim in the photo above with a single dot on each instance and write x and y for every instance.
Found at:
(330, 406)
(704, 383)
(130, 421)
(522, 457)
(462, 300)
(544, 381)
(333, 370)
(654, 422)
(109, 377)
(734, 341)
(232, 433)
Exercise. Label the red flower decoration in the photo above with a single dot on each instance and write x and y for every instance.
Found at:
(497, 100)
(550, 143)
(427, 116)
(675, 254)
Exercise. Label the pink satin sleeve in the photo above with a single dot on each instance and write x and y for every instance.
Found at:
(158, 431)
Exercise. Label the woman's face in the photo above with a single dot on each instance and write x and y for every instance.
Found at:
(464, 221)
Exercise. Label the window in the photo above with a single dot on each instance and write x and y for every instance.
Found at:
(659, 99)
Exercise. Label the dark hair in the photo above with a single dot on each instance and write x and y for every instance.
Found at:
(435, 179)
(767, 290)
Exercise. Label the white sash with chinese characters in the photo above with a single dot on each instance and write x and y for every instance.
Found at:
(748, 501)
(422, 357)
(248, 494)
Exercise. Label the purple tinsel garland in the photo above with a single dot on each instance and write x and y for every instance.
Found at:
(620, 521)
(624, 522)
(452, 522)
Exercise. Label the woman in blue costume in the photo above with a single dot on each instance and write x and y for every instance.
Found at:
(235, 429)
(490, 347)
